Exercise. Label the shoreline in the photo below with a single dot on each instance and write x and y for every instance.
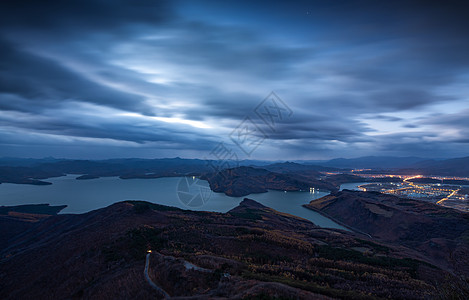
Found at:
(337, 221)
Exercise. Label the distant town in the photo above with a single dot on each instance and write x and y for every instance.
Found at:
(446, 191)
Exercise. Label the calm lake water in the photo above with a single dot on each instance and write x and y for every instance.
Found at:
(86, 195)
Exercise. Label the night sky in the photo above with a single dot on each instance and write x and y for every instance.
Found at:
(133, 78)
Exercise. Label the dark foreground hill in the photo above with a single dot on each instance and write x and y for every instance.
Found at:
(251, 252)
(437, 234)
(15, 220)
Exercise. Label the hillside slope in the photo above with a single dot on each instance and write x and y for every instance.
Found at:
(251, 252)
(439, 234)
(243, 181)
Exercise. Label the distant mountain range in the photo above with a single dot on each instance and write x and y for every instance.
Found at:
(425, 166)
(369, 162)
(450, 167)
(32, 171)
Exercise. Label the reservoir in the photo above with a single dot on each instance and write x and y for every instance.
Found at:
(82, 196)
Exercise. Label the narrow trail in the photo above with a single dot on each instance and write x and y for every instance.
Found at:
(152, 284)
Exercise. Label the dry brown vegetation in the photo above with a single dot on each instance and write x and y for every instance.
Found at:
(252, 252)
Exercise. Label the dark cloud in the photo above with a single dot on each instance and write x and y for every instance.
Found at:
(410, 126)
(422, 143)
(386, 118)
(122, 130)
(404, 99)
(459, 118)
(316, 127)
(80, 15)
(39, 82)
(359, 76)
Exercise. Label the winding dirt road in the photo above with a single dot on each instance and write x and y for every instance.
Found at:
(152, 284)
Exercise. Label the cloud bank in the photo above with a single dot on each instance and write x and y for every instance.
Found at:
(97, 79)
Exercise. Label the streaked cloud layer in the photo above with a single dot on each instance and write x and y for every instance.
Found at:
(142, 78)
